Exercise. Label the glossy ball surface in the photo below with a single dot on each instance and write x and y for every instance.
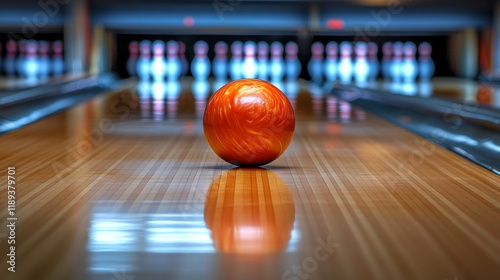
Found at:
(249, 122)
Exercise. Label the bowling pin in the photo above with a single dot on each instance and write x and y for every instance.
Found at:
(373, 62)
(133, 48)
(219, 64)
(20, 65)
(277, 65)
(263, 60)
(57, 63)
(315, 64)
(144, 62)
(345, 67)
(9, 65)
(200, 66)
(361, 67)
(425, 63)
(396, 63)
(387, 61)
(293, 66)
(31, 66)
(182, 58)
(44, 62)
(330, 67)
(409, 65)
(158, 63)
(249, 66)
(236, 60)
(174, 64)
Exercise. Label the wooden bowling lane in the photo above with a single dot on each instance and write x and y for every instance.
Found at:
(126, 186)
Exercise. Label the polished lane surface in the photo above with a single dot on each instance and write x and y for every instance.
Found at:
(126, 187)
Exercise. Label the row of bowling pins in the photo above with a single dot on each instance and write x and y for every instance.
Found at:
(364, 68)
(273, 62)
(248, 60)
(32, 60)
(399, 63)
(147, 60)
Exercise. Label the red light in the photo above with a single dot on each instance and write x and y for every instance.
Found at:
(188, 21)
(335, 24)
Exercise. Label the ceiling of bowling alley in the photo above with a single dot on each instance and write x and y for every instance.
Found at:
(258, 16)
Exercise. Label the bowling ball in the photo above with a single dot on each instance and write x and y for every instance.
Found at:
(249, 122)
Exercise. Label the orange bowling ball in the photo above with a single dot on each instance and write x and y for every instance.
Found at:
(249, 122)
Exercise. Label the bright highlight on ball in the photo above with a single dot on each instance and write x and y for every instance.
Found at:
(249, 122)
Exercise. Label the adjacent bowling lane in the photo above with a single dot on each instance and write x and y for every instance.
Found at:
(126, 187)
(453, 89)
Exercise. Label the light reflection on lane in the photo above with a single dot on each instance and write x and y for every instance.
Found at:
(246, 211)
(251, 211)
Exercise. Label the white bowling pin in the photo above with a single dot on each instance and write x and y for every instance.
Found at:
(219, 64)
(174, 64)
(236, 60)
(249, 66)
(158, 64)
(425, 63)
(315, 64)
(345, 67)
(31, 66)
(361, 67)
(9, 65)
(133, 49)
(331, 61)
(387, 61)
(409, 65)
(200, 66)
(396, 63)
(263, 60)
(373, 62)
(293, 66)
(276, 65)
(144, 61)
